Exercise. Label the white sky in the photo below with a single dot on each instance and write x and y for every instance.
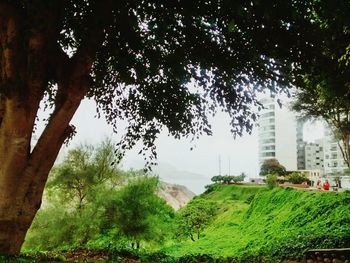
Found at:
(237, 155)
(203, 159)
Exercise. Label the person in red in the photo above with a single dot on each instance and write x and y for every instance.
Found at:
(326, 185)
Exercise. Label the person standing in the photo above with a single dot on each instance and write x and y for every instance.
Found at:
(318, 184)
(326, 185)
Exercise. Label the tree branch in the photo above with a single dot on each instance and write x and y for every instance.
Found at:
(72, 87)
(44, 52)
(83, 59)
(10, 48)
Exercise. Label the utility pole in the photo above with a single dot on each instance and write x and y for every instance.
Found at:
(219, 164)
(229, 166)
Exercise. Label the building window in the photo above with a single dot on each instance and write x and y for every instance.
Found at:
(266, 148)
(268, 154)
(267, 114)
(266, 141)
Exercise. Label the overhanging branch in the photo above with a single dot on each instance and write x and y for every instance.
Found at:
(11, 61)
(73, 85)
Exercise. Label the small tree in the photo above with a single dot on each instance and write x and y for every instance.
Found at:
(271, 180)
(83, 170)
(137, 208)
(75, 194)
(272, 166)
(216, 179)
(297, 178)
(194, 217)
(238, 178)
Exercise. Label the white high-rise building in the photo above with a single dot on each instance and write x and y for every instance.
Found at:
(300, 145)
(277, 134)
(314, 156)
(333, 158)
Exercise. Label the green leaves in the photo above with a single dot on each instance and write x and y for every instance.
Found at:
(138, 212)
(91, 203)
(297, 178)
(232, 26)
(84, 171)
(195, 217)
(271, 180)
(272, 166)
(228, 178)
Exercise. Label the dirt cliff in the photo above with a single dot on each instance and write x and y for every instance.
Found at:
(175, 195)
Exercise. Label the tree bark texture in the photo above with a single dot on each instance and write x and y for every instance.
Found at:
(29, 59)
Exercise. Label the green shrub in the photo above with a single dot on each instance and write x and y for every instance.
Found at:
(297, 178)
(271, 181)
(209, 188)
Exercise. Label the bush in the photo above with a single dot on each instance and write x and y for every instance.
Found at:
(271, 181)
(209, 188)
(297, 178)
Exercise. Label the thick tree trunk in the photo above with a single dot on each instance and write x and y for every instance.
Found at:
(15, 137)
(12, 235)
(30, 58)
(23, 173)
(13, 228)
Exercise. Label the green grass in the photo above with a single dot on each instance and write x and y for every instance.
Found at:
(277, 224)
(224, 193)
(253, 224)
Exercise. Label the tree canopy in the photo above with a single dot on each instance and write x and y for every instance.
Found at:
(323, 81)
(315, 102)
(195, 216)
(228, 178)
(138, 211)
(272, 166)
(84, 171)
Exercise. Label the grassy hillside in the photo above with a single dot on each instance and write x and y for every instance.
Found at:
(255, 223)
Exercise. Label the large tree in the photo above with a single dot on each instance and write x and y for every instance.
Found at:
(272, 166)
(315, 103)
(136, 59)
(324, 81)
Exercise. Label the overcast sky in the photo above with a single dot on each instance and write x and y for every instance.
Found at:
(237, 155)
(203, 159)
